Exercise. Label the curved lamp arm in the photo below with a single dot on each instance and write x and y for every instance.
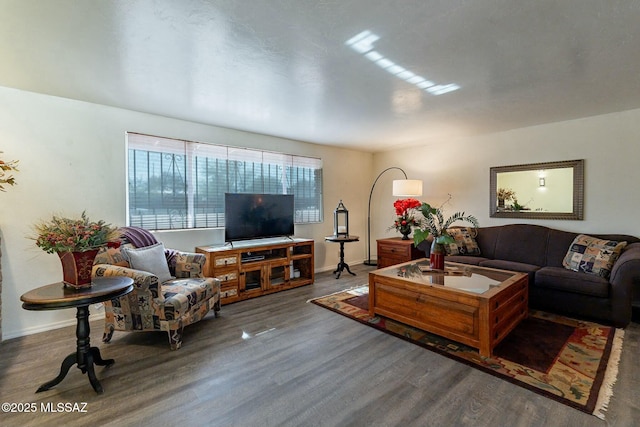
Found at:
(368, 261)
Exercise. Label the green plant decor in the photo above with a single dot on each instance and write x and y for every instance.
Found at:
(5, 167)
(433, 223)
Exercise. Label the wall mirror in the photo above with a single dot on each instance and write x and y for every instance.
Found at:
(552, 190)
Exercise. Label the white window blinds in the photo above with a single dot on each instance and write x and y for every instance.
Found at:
(174, 184)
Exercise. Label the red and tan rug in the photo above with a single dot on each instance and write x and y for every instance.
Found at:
(571, 361)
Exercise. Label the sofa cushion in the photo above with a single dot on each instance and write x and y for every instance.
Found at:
(559, 241)
(150, 259)
(464, 241)
(588, 254)
(570, 281)
(510, 265)
(487, 238)
(523, 243)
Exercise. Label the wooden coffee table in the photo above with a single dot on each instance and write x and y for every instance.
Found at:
(472, 305)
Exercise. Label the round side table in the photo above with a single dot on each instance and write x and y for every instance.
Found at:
(58, 296)
(342, 240)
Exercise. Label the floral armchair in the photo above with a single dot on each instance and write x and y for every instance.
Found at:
(157, 303)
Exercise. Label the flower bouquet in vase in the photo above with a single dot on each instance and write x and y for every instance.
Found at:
(77, 242)
(405, 216)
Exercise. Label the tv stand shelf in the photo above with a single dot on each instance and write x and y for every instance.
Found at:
(253, 268)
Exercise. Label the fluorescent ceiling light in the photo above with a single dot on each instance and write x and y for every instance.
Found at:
(406, 75)
(373, 56)
(358, 37)
(424, 84)
(363, 43)
(385, 63)
(395, 69)
(442, 89)
(415, 80)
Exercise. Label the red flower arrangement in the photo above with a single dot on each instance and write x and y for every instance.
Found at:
(403, 205)
(405, 218)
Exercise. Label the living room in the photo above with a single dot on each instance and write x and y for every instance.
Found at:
(72, 150)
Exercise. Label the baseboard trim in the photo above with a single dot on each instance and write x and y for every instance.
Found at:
(49, 327)
(332, 268)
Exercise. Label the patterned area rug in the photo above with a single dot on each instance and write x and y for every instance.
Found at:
(573, 362)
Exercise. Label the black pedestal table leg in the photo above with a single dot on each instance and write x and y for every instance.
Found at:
(342, 265)
(97, 358)
(67, 363)
(84, 351)
(347, 267)
(91, 373)
(84, 356)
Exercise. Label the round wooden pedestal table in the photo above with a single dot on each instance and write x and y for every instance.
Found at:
(341, 264)
(58, 296)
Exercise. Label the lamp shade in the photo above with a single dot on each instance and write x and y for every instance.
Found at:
(407, 187)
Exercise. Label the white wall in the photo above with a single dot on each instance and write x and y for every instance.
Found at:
(610, 145)
(72, 158)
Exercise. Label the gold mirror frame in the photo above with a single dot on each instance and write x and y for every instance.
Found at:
(578, 191)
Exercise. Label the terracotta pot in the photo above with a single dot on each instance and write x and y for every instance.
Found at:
(76, 268)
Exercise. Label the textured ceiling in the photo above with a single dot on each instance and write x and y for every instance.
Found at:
(283, 68)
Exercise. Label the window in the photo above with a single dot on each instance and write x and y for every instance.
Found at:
(175, 184)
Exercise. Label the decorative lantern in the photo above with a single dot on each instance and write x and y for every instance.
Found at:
(340, 221)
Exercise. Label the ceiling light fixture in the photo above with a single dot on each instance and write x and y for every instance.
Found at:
(363, 43)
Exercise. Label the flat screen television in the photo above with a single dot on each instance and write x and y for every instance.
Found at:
(256, 216)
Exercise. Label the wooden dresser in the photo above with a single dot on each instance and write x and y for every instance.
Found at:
(394, 250)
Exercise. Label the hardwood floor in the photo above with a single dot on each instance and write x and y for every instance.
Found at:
(278, 361)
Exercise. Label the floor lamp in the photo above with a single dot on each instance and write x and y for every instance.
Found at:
(401, 187)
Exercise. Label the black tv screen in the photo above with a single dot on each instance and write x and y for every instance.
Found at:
(254, 216)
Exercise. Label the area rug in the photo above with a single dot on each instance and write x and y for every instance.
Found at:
(571, 361)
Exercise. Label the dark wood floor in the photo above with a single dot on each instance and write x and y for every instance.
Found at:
(279, 361)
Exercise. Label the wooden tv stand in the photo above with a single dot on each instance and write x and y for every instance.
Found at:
(253, 268)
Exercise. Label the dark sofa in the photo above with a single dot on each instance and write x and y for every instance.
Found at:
(539, 251)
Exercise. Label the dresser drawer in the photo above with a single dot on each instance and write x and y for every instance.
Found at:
(225, 260)
(396, 251)
(230, 276)
(393, 251)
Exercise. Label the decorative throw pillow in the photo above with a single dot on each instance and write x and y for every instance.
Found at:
(592, 255)
(465, 242)
(150, 259)
(111, 255)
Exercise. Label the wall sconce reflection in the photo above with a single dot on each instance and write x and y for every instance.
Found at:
(541, 182)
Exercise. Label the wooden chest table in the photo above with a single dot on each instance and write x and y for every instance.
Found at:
(394, 250)
(473, 305)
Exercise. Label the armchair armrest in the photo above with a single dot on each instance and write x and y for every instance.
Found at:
(142, 280)
(187, 264)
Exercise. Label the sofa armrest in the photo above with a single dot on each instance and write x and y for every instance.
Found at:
(625, 282)
(628, 264)
(142, 281)
(187, 264)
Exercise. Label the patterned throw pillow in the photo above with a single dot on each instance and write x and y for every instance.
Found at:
(111, 255)
(465, 242)
(592, 255)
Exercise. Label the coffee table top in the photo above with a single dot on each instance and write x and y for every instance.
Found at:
(462, 277)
